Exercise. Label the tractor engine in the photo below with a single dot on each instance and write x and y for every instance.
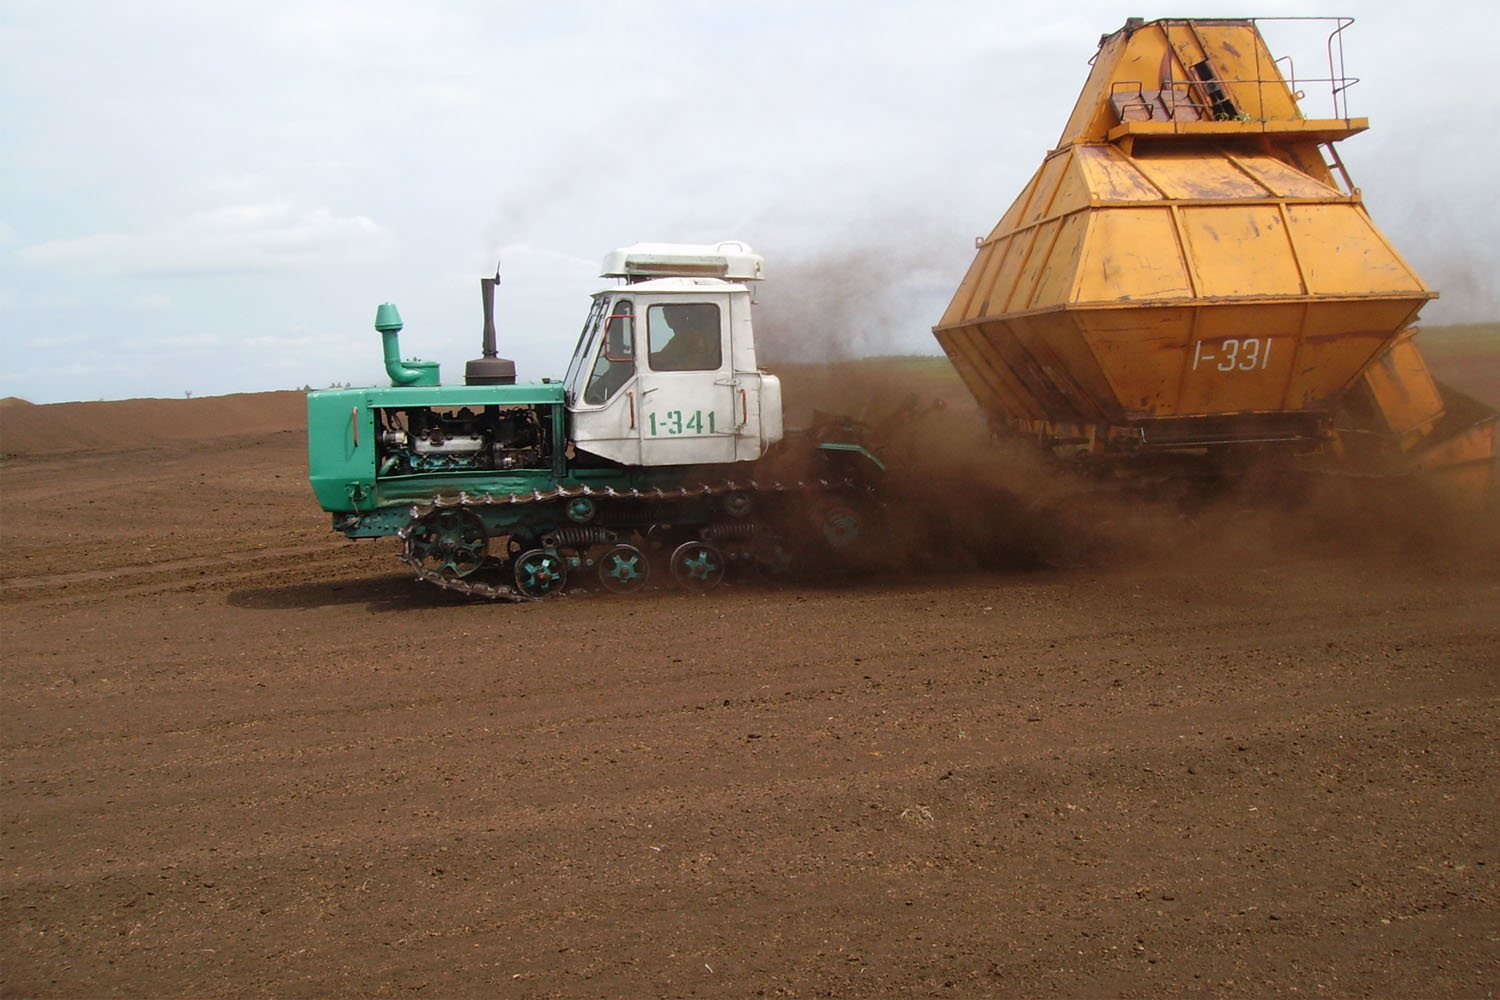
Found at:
(417, 440)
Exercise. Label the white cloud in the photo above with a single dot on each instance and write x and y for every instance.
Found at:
(253, 237)
(234, 184)
(301, 344)
(52, 343)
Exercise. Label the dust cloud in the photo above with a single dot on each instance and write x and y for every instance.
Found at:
(875, 290)
(957, 498)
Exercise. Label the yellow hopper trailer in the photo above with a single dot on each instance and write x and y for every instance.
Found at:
(1190, 274)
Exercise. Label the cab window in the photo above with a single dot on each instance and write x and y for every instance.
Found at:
(684, 337)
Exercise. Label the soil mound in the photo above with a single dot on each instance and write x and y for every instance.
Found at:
(28, 429)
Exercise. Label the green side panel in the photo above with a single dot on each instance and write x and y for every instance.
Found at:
(376, 525)
(407, 490)
(341, 449)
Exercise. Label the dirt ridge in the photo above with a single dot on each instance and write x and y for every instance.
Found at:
(32, 429)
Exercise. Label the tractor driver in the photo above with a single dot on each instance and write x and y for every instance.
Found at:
(695, 343)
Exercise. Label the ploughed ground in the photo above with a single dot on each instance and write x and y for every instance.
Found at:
(1246, 752)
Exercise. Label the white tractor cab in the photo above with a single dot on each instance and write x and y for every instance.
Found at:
(664, 372)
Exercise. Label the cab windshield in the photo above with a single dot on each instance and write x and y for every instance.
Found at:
(581, 352)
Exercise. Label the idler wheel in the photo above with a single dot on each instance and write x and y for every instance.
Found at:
(698, 565)
(624, 569)
(737, 504)
(580, 510)
(540, 573)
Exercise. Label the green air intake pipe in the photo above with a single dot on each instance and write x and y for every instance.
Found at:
(413, 372)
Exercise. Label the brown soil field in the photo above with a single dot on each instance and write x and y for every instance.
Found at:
(1246, 752)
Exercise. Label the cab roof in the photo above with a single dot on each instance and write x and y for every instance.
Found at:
(729, 260)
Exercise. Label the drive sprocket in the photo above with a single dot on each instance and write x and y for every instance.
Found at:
(448, 542)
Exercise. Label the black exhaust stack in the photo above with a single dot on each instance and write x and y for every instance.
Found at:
(490, 369)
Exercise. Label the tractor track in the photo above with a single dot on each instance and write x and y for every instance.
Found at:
(504, 592)
(216, 572)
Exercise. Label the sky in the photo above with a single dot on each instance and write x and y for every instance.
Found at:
(213, 197)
